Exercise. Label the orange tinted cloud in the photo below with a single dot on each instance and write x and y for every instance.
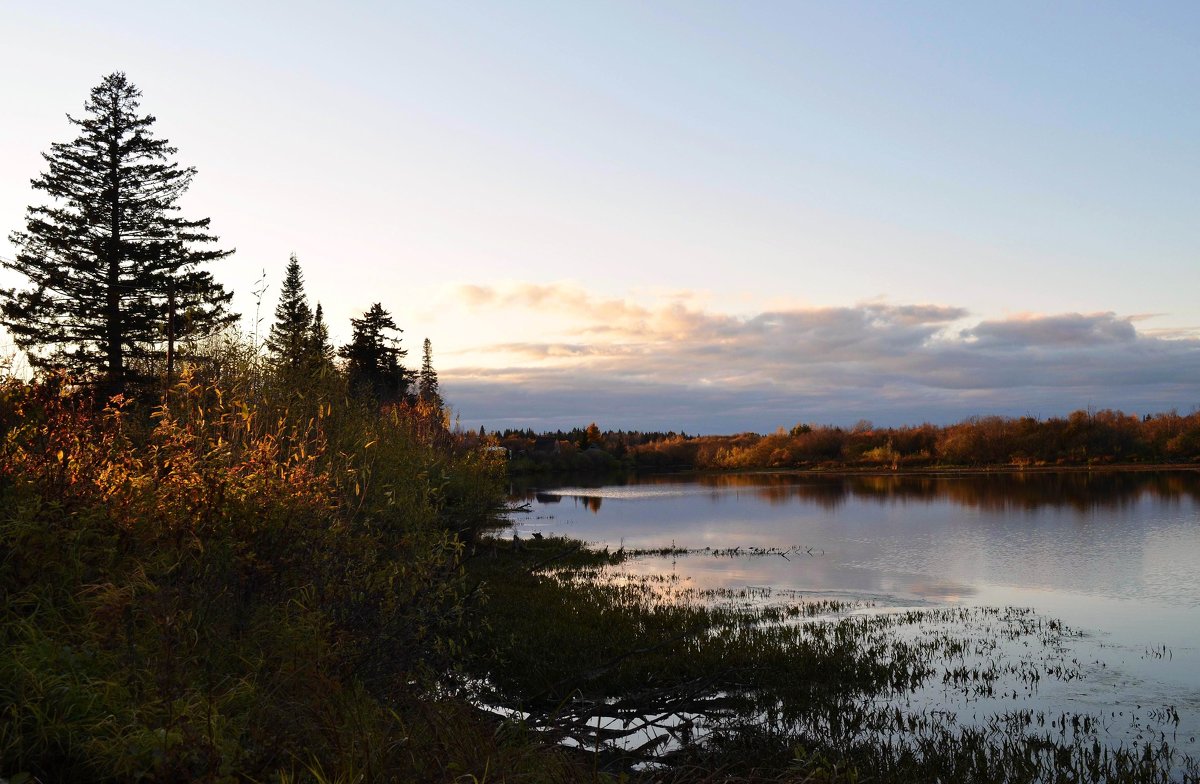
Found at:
(752, 371)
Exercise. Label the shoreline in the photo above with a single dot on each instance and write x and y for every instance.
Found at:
(943, 470)
(851, 471)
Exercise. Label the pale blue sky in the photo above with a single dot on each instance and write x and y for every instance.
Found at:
(1017, 163)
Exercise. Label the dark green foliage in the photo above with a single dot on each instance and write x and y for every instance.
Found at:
(289, 342)
(572, 632)
(320, 351)
(373, 357)
(298, 343)
(427, 381)
(113, 269)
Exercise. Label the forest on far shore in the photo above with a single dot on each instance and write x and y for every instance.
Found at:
(1082, 438)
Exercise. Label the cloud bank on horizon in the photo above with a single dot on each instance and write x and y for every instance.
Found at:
(679, 365)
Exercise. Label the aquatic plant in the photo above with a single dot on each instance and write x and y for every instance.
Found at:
(759, 685)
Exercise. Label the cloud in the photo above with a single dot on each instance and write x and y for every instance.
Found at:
(476, 296)
(1068, 329)
(677, 365)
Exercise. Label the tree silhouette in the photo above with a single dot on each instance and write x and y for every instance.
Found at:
(290, 338)
(427, 381)
(319, 349)
(373, 357)
(114, 270)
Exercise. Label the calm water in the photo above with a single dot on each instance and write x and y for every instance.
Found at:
(1116, 556)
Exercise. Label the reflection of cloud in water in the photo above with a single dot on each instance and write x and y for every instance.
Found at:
(802, 573)
(1131, 535)
(625, 492)
(940, 590)
(1112, 555)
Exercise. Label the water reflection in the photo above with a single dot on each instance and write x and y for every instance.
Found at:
(1122, 535)
(1080, 490)
(1112, 554)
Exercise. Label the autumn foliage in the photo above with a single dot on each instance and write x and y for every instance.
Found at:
(229, 584)
(1083, 438)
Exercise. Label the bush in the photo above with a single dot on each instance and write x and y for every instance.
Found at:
(239, 582)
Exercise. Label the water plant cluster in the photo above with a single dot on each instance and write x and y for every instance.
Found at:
(649, 674)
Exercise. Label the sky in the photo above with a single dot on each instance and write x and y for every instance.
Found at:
(709, 217)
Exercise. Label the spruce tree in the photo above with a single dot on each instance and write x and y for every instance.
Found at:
(290, 338)
(373, 357)
(320, 351)
(114, 271)
(427, 384)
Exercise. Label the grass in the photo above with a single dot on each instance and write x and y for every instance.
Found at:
(242, 583)
(755, 685)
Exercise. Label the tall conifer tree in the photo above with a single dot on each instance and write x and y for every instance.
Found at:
(114, 270)
(290, 338)
(427, 380)
(319, 348)
(373, 357)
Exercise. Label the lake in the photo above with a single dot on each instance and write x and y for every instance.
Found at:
(1114, 555)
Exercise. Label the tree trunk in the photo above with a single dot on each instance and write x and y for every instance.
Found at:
(114, 382)
(170, 330)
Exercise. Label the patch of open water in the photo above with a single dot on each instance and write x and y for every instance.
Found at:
(1114, 556)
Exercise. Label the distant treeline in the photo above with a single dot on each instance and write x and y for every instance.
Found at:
(1082, 438)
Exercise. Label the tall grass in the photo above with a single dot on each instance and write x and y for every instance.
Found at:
(250, 580)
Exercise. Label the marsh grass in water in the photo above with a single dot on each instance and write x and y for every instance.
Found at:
(653, 675)
(787, 553)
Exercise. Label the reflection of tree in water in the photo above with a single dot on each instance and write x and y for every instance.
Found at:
(1000, 492)
(1080, 490)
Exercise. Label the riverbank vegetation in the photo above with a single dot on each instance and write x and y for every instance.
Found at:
(1083, 438)
(237, 583)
